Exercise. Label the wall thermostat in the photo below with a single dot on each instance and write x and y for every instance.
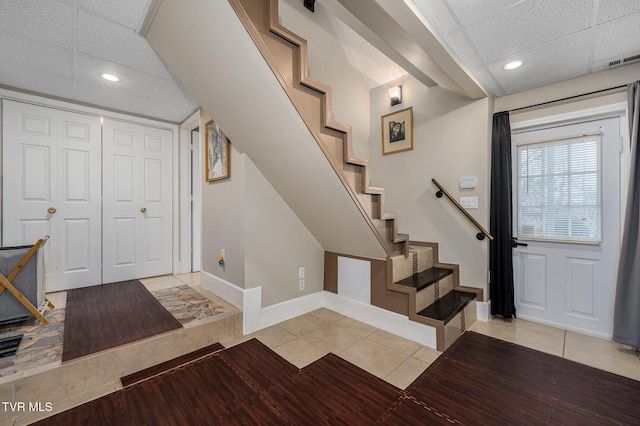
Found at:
(468, 182)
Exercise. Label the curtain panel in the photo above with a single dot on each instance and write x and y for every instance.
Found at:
(626, 319)
(500, 250)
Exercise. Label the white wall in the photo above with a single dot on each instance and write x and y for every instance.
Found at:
(450, 141)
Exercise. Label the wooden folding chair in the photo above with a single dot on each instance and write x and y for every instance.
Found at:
(5, 282)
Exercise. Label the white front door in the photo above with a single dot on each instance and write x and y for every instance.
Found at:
(137, 203)
(566, 201)
(50, 187)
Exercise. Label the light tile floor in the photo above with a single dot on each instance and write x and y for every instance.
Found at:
(399, 361)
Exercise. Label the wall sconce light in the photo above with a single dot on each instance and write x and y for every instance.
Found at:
(395, 93)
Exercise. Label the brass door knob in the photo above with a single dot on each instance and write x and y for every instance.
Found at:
(143, 210)
(51, 210)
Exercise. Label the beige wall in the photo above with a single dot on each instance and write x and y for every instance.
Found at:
(330, 64)
(277, 243)
(450, 141)
(223, 224)
(264, 241)
(603, 80)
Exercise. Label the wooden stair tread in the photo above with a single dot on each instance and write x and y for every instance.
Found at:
(425, 278)
(448, 306)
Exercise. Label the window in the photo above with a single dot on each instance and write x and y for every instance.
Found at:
(558, 190)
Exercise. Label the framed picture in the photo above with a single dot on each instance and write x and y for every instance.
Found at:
(397, 131)
(216, 152)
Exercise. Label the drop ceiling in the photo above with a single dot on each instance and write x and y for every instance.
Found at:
(59, 48)
(555, 39)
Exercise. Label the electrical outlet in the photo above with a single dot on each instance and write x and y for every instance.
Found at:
(301, 272)
(301, 284)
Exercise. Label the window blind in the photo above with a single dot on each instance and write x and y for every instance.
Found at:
(559, 189)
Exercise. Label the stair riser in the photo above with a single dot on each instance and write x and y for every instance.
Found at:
(461, 322)
(434, 292)
(404, 267)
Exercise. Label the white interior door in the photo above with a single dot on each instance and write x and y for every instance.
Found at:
(137, 204)
(560, 281)
(51, 186)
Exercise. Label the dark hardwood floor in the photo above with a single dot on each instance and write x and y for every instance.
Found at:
(479, 380)
(109, 315)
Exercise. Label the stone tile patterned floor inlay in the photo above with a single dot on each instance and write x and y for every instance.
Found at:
(187, 305)
(42, 344)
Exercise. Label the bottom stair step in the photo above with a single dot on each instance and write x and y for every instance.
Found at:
(445, 308)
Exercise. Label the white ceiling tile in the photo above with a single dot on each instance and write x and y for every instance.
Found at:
(458, 43)
(169, 92)
(111, 98)
(437, 14)
(45, 20)
(553, 62)
(37, 82)
(471, 11)
(43, 57)
(527, 25)
(168, 112)
(129, 13)
(131, 81)
(104, 39)
(609, 10)
(618, 39)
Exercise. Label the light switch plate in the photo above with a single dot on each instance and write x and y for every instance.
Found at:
(469, 202)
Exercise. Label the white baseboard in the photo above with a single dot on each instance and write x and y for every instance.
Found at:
(224, 289)
(484, 309)
(255, 317)
(382, 319)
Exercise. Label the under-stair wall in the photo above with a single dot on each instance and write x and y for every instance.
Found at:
(209, 50)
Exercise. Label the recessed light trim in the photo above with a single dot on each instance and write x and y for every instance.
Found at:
(110, 77)
(513, 65)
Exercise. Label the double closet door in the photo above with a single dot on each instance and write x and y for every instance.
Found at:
(100, 188)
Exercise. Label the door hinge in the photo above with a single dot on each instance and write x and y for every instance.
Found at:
(621, 145)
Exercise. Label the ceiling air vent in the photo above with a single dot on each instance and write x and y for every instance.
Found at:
(624, 61)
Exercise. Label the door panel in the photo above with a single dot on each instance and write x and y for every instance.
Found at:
(49, 161)
(571, 285)
(137, 201)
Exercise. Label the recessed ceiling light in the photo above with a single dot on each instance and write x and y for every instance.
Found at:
(109, 77)
(513, 65)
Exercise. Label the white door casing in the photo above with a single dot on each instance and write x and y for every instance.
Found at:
(50, 188)
(572, 285)
(137, 203)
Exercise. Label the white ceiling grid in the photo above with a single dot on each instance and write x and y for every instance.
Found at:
(556, 39)
(60, 48)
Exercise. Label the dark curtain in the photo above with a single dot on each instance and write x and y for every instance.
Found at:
(626, 318)
(500, 250)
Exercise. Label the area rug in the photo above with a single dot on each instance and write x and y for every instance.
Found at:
(110, 315)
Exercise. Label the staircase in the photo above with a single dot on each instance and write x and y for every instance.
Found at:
(435, 295)
(286, 54)
(431, 293)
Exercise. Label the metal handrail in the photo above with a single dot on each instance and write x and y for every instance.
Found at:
(483, 232)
